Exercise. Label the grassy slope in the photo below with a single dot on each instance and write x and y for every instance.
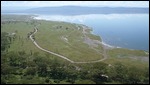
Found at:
(123, 55)
(121, 52)
(49, 36)
(22, 43)
(75, 49)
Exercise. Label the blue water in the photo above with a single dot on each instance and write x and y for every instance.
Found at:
(129, 32)
(122, 30)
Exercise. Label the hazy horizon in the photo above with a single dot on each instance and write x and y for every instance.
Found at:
(22, 5)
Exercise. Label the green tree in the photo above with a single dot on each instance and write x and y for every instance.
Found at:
(97, 72)
(30, 71)
(41, 63)
(4, 41)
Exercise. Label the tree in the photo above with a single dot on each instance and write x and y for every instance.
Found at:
(41, 63)
(28, 35)
(119, 72)
(6, 69)
(137, 75)
(47, 80)
(30, 71)
(96, 73)
(3, 80)
(21, 52)
(4, 41)
(33, 37)
(66, 28)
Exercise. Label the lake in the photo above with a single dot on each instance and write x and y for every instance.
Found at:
(120, 30)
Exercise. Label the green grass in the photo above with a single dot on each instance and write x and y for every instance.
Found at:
(49, 36)
(95, 37)
(84, 82)
(90, 35)
(123, 55)
(21, 43)
(122, 52)
(16, 17)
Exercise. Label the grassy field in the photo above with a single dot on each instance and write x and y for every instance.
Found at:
(51, 36)
(21, 29)
(60, 37)
(122, 52)
(37, 66)
(16, 17)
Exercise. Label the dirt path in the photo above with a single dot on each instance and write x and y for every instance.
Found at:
(61, 56)
(47, 50)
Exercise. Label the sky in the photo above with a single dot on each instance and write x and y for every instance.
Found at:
(75, 3)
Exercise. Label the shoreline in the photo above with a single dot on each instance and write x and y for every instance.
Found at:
(108, 45)
(102, 42)
(111, 46)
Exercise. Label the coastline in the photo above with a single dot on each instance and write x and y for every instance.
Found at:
(108, 45)
(38, 17)
(102, 42)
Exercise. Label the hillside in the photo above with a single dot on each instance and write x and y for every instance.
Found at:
(93, 62)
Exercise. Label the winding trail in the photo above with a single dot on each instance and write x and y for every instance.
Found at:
(61, 56)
